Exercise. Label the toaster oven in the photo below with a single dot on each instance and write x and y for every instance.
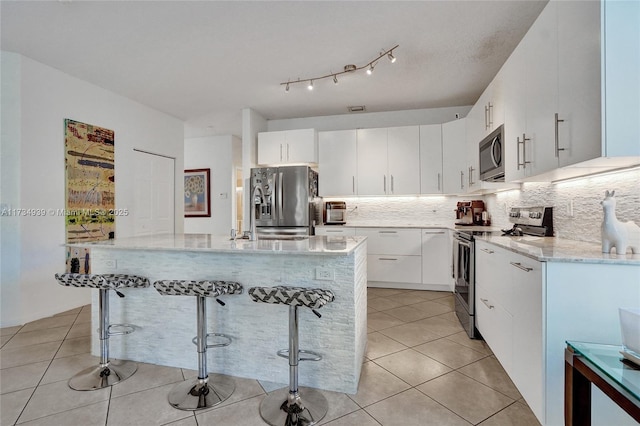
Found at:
(335, 213)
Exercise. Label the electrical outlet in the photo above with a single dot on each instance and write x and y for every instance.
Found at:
(111, 263)
(325, 274)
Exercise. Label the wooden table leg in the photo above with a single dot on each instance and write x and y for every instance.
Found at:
(577, 394)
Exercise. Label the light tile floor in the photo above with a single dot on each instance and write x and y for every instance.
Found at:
(420, 369)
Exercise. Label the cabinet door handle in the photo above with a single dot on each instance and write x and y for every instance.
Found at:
(392, 184)
(489, 115)
(387, 258)
(471, 170)
(353, 184)
(280, 152)
(433, 233)
(519, 265)
(486, 121)
(487, 251)
(384, 183)
(337, 231)
(287, 152)
(438, 181)
(487, 304)
(524, 158)
(387, 232)
(461, 179)
(558, 149)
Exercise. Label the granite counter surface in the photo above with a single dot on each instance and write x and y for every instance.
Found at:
(312, 245)
(544, 249)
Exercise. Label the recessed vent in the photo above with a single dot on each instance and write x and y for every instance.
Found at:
(356, 108)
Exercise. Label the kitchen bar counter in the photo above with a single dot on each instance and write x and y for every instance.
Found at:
(544, 249)
(166, 324)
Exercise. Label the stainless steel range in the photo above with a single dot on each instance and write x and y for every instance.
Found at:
(536, 221)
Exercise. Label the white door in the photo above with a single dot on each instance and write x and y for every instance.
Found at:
(337, 163)
(154, 194)
(403, 159)
(372, 162)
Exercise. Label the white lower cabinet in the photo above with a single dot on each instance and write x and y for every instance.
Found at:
(335, 231)
(509, 317)
(436, 260)
(394, 256)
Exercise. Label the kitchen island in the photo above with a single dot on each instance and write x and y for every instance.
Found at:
(167, 324)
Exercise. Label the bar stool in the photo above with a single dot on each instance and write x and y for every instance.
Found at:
(108, 372)
(201, 393)
(287, 406)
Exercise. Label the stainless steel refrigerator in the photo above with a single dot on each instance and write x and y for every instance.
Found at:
(284, 200)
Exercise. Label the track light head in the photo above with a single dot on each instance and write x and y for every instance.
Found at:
(370, 69)
(310, 86)
(286, 88)
(391, 57)
(335, 79)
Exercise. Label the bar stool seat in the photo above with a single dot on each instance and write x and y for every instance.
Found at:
(110, 371)
(202, 392)
(296, 405)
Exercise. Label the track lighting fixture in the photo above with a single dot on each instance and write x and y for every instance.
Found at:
(350, 68)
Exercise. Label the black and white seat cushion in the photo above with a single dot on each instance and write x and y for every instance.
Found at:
(102, 282)
(204, 288)
(313, 298)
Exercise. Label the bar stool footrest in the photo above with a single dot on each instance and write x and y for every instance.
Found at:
(120, 329)
(303, 355)
(226, 340)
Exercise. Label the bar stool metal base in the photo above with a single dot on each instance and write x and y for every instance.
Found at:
(102, 376)
(198, 394)
(282, 408)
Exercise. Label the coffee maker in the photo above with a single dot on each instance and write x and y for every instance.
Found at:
(469, 212)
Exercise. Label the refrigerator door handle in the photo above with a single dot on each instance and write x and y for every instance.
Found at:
(279, 194)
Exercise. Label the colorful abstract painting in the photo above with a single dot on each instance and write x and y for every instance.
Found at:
(90, 193)
(197, 193)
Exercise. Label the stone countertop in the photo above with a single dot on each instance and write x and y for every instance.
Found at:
(313, 245)
(553, 249)
(543, 249)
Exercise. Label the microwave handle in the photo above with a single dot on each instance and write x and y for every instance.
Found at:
(493, 150)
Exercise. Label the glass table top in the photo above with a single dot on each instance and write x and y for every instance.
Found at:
(609, 360)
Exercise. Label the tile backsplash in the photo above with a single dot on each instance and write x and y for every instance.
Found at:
(581, 197)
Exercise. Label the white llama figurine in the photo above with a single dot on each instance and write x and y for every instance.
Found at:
(615, 233)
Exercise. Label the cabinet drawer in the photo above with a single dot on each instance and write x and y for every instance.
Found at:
(336, 231)
(496, 326)
(391, 268)
(392, 241)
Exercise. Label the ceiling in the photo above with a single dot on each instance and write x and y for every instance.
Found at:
(204, 61)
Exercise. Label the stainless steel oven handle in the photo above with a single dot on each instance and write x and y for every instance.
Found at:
(463, 243)
(487, 304)
(519, 265)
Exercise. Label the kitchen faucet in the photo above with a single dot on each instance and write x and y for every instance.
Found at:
(255, 200)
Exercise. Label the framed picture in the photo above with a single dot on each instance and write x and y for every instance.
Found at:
(197, 193)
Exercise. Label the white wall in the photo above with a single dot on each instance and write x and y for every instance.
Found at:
(372, 119)
(45, 98)
(221, 154)
(252, 124)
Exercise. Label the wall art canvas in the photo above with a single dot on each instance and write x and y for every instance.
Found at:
(197, 193)
(90, 189)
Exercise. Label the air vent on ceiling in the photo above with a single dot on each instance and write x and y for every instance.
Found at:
(356, 108)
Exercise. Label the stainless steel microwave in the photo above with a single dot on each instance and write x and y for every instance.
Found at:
(492, 157)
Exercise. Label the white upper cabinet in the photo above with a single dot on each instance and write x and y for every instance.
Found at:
(579, 100)
(337, 163)
(388, 161)
(404, 160)
(454, 156)
(431, 159)
(288, 147)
